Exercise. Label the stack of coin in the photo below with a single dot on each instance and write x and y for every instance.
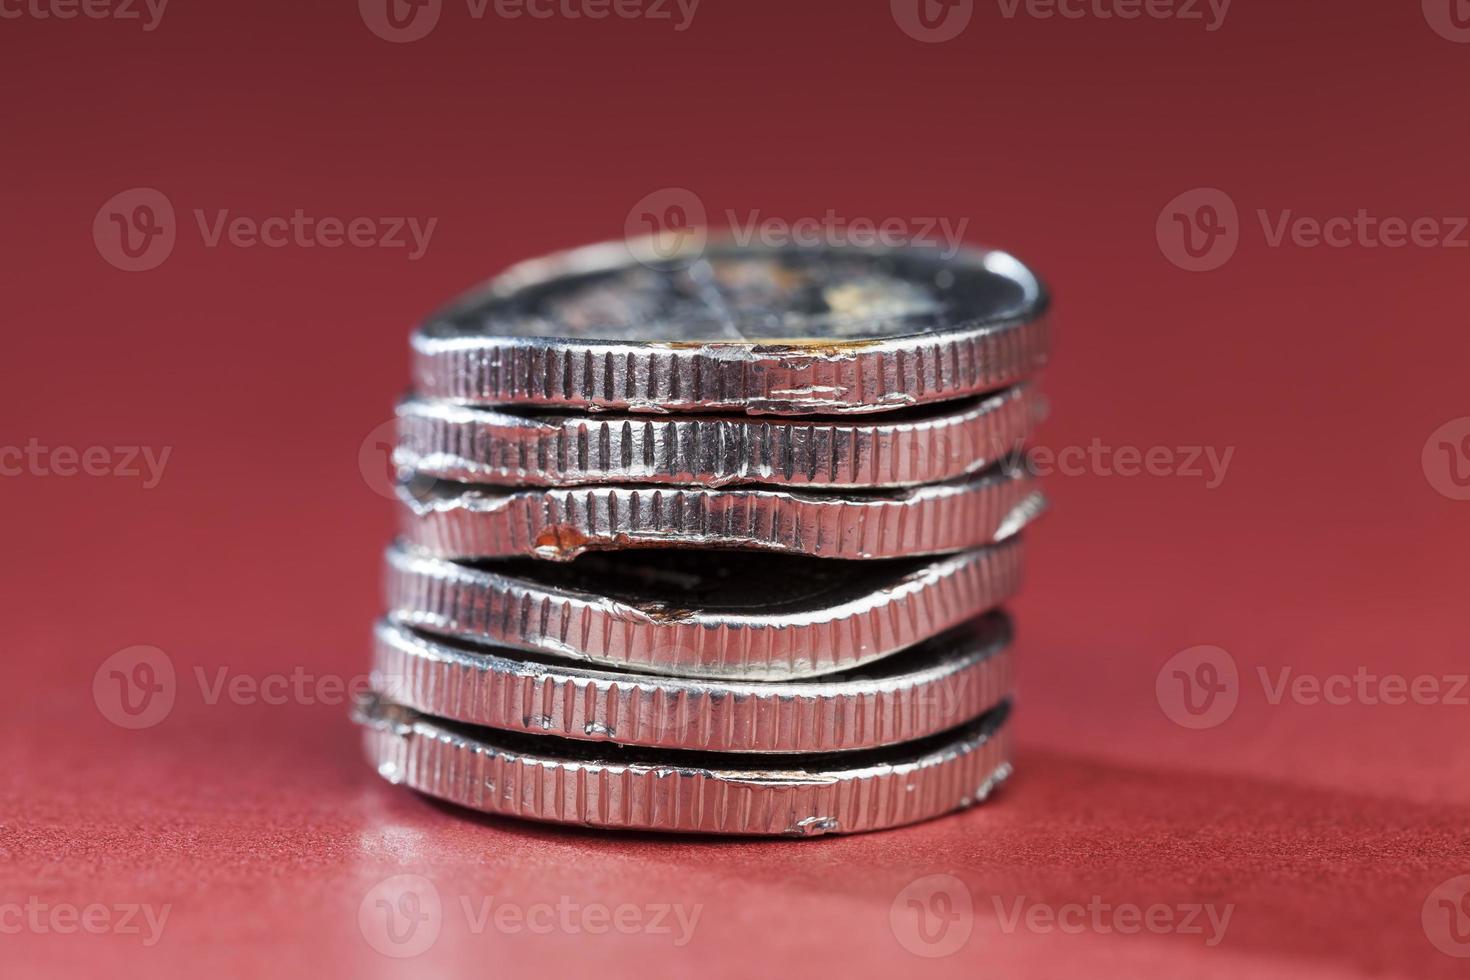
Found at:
(714, 542)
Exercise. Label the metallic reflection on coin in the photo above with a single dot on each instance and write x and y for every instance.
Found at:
(756, 330)
(928, 445)
(936, 686)
(628, 788)
(743, 615)
(454, 521)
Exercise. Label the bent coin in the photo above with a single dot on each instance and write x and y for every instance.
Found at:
(477, 445)
(746, 616)
(618, 787)
(936, 686)
(454, 521)
(752, 329)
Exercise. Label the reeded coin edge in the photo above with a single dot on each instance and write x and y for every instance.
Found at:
(479, 522)
(469, 768)
(969, 674)
(480, 605)
(480, 445)
(773, 380)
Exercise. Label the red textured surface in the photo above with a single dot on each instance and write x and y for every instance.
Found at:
(1324, 550)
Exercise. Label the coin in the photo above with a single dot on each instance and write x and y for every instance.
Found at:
(744, 616)
(749, 329)
(628, 788)
(935, 686)
(453, 521)
(929, 445)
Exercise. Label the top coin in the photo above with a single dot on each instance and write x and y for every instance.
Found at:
(734, 328)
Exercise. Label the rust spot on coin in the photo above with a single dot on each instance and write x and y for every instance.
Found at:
(820, 346)
(661, 612)
(560, 542)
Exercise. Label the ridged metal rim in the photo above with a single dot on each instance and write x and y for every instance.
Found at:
(935, 687)
(453, 521)
(487, 606)
(705, 793)
(478, 445)
(973, 357)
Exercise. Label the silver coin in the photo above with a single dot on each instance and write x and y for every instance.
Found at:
(477, 445)
(744, 615)
(620, 787)
(757, 330)
(920, 692)
(453, 521)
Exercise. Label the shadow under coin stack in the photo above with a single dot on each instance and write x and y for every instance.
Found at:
(714, 543)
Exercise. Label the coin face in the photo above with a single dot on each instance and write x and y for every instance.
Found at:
(754, 330)
(630, 788)
(824, 296)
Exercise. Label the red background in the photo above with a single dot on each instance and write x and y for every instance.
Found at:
(1326, 549)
